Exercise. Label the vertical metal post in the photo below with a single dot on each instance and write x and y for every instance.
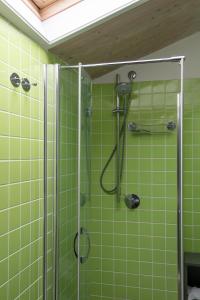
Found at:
(56, 194)
(45, 189)
(79, 176)
(118, 157)
(55, 151)
(180, 186)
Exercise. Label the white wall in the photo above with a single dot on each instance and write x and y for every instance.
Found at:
(190, 47)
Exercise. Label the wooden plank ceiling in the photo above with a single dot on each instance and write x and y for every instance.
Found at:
(133, 34)
(45, 9)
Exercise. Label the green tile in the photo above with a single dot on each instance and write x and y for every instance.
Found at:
(25, 105)
(3, 222)
(4, 247)
(15, 196)
(15, 57)
(24, 281)
(25, 214)
(4, 123)
(25, 235)
(25, 127)
(15, 126)
(14, 241)
(25, 192)
(4, 291)
(4, 197)
(4, 151)
(4, 271)
(14, 171)
(14, 287)
(14, 148)
(14, 99)
(25, 170)
(14, 218)
(4, 78)
(25, 258)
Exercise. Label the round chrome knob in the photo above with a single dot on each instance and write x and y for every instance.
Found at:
(15, 79)
(132, 201)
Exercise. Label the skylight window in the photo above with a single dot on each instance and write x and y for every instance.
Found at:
(45, 9)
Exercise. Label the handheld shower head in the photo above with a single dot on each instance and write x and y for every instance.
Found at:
(123, 88)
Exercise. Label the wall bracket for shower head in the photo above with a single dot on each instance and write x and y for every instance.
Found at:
(132, 75)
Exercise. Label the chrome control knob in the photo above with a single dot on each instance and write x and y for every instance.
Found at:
(132, 201)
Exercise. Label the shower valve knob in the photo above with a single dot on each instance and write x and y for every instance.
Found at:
(132, 201)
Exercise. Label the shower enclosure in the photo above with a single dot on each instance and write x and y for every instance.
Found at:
(96, 247)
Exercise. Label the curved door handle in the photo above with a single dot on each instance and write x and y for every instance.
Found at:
(83, 258)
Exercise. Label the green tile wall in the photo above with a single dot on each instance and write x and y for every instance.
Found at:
(192, 165)
(134, 252)
(21, 167)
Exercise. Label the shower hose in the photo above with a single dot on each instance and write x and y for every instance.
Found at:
(122, 137)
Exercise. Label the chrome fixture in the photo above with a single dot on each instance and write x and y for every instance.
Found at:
(178, 59)
(132, 201)
(15, 79)
(26, 85)
(171, 125)
(132, 75)
(159, 128)
(123, 88)
(83, 234)
(123, 96)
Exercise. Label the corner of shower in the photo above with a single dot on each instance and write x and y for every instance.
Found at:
(68, 192)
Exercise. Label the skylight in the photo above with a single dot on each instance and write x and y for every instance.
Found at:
(45, 9)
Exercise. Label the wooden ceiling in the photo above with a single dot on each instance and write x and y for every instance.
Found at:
(45, 9)
(133, 34)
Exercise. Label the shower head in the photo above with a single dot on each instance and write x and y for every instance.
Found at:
(123, 88)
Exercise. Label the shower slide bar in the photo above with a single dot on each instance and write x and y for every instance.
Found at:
(137, 62)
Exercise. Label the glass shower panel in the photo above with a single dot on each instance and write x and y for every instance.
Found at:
(85, 184)
(134, 251)
(64, 277)
(67, 276)
(122, 253)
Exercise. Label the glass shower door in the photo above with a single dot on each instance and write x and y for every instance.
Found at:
(85, 184)
(67, 243)
(67, 211)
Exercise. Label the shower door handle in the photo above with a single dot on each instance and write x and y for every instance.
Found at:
(83, 232)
